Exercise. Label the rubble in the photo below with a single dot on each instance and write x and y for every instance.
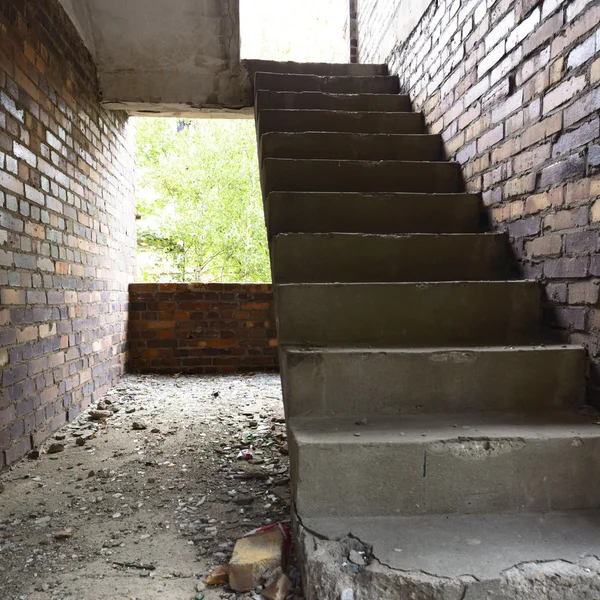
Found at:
(279, 589)
(179, 497)
(254, 555)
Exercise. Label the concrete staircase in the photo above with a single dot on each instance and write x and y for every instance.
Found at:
(430, 416)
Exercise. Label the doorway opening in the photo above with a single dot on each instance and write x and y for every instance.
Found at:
(307, 31)
(199, 204)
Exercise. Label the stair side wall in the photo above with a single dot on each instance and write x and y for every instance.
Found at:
(514, 89)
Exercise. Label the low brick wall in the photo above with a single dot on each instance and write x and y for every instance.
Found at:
(201, 328)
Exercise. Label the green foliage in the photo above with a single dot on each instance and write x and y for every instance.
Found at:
(199, 201)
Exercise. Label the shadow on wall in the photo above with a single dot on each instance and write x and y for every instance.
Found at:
(514, 89)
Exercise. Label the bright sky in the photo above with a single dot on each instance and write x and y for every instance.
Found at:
(299, 30)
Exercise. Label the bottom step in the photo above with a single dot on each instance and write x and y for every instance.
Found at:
(466, 463)
(472, 557)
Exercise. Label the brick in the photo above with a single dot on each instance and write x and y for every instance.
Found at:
(544, 32)
(567, 219)
(581, 53)
(525, 28)
(11, 183)
(583, 292)
(540, 202)
(525, 161)
(572, 318)
(595, 71)
(12, 296)
(562, 93)
(546, 245)
(574, 140)
(578, 191)
(582, 108)
(566, 268)
(562, 171)
(520, 185)
(581, 242)
(524, 227)
(541, 130)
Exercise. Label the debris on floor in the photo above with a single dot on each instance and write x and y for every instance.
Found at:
(146, 495)
(255, 555)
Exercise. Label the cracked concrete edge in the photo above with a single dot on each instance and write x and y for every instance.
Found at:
(324, 577)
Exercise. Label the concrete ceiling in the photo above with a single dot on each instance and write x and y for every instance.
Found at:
(173, 56)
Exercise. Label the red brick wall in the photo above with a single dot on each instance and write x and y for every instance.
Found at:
(513, 86)
(201, 328)
(67, 228)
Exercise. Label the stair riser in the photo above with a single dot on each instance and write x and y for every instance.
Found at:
(362, 258)
(329, 85)
(316, 100)
(278, 175)
(270, 121)
(351, 146)
(322, 213)
(337, 383)
(408, 315)
(358, 479)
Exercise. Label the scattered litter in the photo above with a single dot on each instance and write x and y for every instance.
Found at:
(99, 415)
(63, 535)
(55, 448)
(134, 565)
(218, 576)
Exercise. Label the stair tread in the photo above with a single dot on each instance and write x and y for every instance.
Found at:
(481, 545)
(311, 68)
(379, 236)
(326, 83)
(361, 162)
(434, 349)
(331, 111)
(426, 428)
(352, 134)
(359, 286)
(333, 94)
(312, 76)
(372, 195)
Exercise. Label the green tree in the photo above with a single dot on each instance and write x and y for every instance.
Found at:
(199, 201)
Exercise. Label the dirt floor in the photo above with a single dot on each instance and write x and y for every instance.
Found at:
(143, 503)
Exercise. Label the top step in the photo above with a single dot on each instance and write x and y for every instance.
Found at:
(278, 82)
(325, 69)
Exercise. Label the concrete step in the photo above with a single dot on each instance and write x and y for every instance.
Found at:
(408, 314)
(318, 100)
(303, 175)
(352, 146)
(322, 212)
(339, 121)
(254, 66)
(328, 382)
(531, 556)
(354, 257)
(330, 85)
(444, 464)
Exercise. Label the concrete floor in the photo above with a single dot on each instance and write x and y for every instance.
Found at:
(170, 499)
